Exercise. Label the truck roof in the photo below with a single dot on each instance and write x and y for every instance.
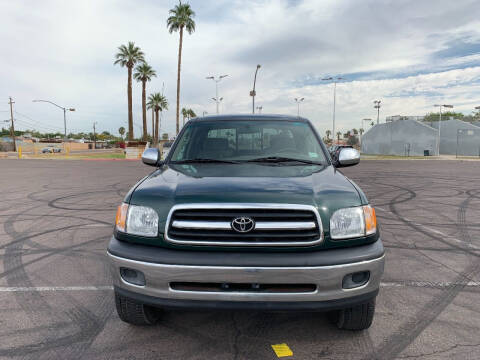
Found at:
(227, 117)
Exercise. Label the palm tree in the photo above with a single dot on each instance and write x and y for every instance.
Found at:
(328, 133)
(372, 124)
(121, 131)
(338, 135)
(191, 114)
(158, 103)
(184, 114)
(151, 105)
(144, 73)
(361, 131)
(128, 56)
(181, 17)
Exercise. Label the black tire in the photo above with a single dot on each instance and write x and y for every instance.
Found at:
(358, 317)
(134, 312)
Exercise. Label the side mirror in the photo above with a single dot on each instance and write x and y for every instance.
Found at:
(348, 157)
(151, 156)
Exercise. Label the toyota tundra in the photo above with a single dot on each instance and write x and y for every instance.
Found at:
(247, 212)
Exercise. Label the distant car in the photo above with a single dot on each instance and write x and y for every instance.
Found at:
(51, 149)
(335, 150)
(166, 148)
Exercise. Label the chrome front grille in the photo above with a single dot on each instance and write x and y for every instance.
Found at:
(274, 225)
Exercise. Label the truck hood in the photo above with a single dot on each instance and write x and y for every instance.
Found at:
(321, 186)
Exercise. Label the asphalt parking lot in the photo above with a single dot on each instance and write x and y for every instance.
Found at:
(56, 302)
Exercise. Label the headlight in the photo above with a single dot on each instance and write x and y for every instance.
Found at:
(137, 220)
(353, 222)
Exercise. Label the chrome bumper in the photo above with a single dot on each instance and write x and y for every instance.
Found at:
(328, 280)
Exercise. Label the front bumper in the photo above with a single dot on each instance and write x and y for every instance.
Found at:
(327, 278)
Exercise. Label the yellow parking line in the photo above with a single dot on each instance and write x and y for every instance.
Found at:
(282, 350)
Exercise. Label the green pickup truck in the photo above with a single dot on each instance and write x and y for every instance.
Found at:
(247, 212)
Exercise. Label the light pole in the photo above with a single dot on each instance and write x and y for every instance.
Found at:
(377, 106)
(440, 124)
(217, 80)
(64, 115)
(298, 101)
(94, 136)
(335, 80)
(253, 93)
(259, 108)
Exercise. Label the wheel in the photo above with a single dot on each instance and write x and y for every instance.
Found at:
(358, 317)
(134, 312)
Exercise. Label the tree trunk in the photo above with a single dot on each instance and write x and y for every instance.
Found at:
(156, 128)
(178, 78)
(144, 110)
(130, 112)
(153, 126)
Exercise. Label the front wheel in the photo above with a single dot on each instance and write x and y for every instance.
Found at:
(134, 312)
(358, 317)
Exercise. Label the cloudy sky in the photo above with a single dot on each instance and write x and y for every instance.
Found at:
(410, 54)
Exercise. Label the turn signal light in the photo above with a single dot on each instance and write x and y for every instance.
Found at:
(121, 218)
(370, 220)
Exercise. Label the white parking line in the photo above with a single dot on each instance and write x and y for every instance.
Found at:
(55, 288)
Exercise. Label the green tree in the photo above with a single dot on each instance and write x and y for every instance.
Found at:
(328, 133)
(435, 116)
(165, 136)
(338, 135)
(372, 124)
(181, 17)
(144, 73)
(191, 114)
(121, 131)
(128, 56)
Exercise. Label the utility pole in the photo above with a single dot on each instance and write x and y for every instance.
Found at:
(377, 106)
(94, 137)
(12, 128)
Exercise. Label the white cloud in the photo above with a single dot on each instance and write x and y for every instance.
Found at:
(63, 51)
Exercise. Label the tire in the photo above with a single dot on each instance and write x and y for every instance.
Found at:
(358, 317)
(134, 312)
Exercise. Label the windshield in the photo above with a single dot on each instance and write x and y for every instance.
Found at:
(248, 140)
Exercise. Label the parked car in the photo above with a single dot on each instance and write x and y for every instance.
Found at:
(247, 212)
(51, 149)
(335, 150)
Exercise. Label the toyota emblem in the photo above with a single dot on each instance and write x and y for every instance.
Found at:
(243, 224)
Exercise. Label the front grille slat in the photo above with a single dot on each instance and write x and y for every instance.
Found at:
(278, 225)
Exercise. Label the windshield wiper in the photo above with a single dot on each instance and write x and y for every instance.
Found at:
(204, 160)
(279, 159)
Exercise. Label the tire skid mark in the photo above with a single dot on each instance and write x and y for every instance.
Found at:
(412, 328)
(89, 325)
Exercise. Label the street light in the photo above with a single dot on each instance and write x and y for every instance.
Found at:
(298, 101)
(440, 124)
(335, 80)
(377, 106)
(253, 93)
(217, 80)
(64, 115)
